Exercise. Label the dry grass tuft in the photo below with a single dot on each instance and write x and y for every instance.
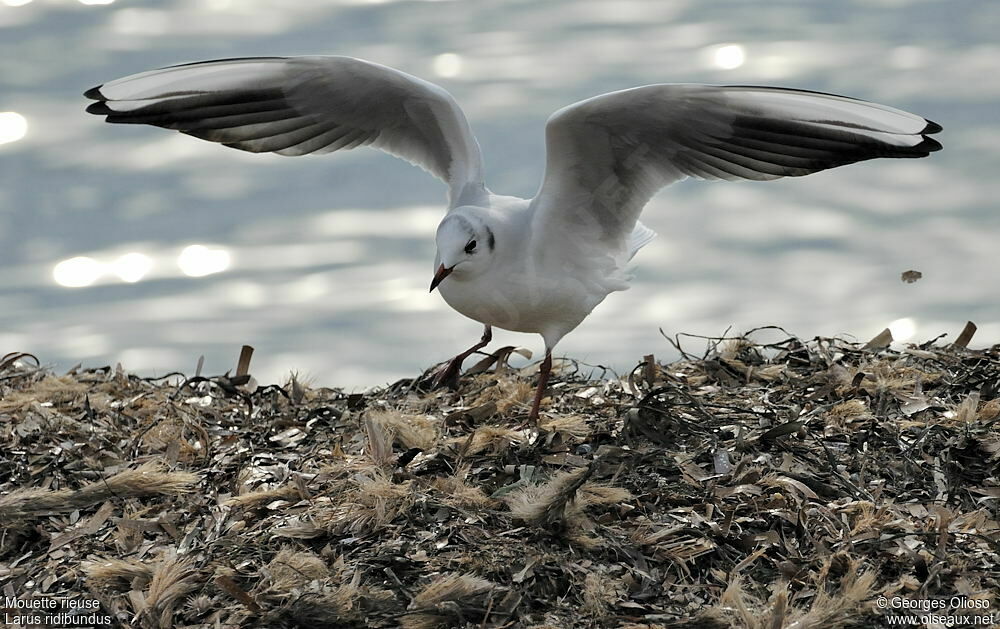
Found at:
(864, 516)
(967, 412)
(370, 501)
(173, 578)
(735, 348)
(847, 412)
(828, 609)
(510, 394)
(337, 607)
(54, 390)
(491, 439)
(600, 591)
(171, 433)
(460, 493)
(409, 431)
(546, 504)
(574, 427)
(886, 375)
(115, 574)
(379, 443)
(447, 601)
(149, 479)
(990, 411)
(592, 494)
(293, 568)
(312, 594)
(198, 606)
(254, 498)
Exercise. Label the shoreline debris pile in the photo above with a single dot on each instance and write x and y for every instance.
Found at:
(788, 483)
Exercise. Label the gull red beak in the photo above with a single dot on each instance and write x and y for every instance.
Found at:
(442, 273)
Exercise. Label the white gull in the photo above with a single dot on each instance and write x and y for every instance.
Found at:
(536, 265)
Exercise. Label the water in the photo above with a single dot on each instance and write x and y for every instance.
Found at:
(326, 260)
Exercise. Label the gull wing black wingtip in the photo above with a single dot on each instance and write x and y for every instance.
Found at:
(94, 93)
(932, 127)
(100, 109)
(930, 145)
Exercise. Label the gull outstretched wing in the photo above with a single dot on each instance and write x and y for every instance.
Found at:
(302, 105)
(607, 156)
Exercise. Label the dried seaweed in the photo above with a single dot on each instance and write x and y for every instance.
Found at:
(780, 484)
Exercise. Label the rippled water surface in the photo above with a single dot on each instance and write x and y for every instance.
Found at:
(139, 245)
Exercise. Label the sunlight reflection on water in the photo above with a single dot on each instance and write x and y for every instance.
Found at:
(132, 267)
(13, 127)
(77, 272)
(728, 57)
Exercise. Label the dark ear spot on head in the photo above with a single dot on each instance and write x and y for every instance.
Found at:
(490, 239)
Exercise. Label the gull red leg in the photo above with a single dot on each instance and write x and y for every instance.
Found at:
(449, 375)
(543, 379)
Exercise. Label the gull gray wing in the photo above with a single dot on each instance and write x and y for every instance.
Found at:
(607, 156)
(302, 105)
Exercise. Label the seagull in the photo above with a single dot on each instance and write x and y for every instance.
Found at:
(538, 265)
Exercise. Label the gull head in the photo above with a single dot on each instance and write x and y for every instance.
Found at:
(465, 244)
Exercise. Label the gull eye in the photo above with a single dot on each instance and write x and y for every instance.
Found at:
(469, 248)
